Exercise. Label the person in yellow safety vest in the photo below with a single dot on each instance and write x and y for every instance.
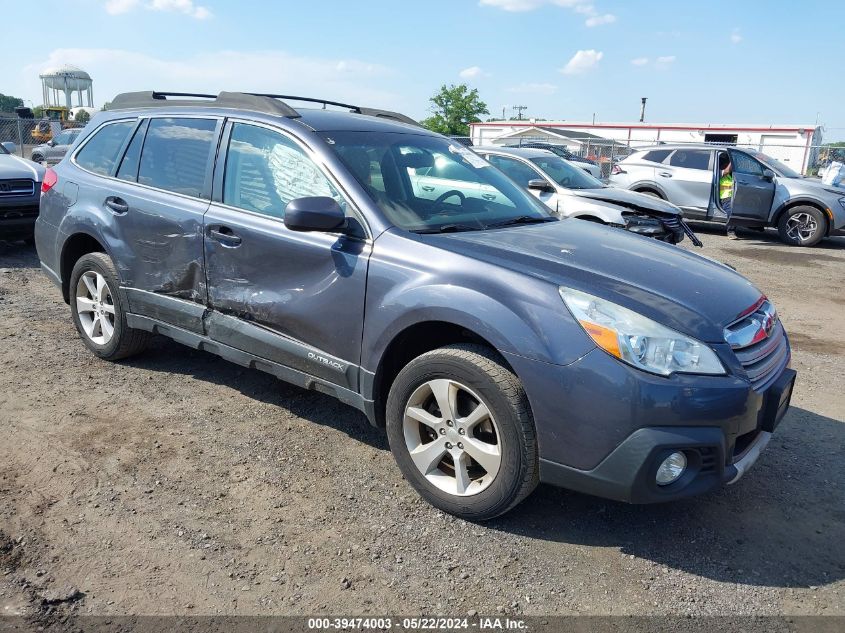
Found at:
(726, 190)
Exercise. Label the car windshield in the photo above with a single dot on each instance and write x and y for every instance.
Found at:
(431, 184)
(566, 175)
(775, 164)
(3, 150)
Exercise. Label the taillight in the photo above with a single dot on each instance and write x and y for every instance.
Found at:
(50, 180)
(616, 169)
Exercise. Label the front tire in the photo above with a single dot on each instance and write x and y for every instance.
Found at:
(98, 310)
(802, 226)
(461, 431)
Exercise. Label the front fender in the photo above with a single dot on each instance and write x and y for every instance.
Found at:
(411, 283)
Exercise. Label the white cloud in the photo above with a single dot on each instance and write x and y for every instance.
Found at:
(664, 62)
(473, 72)
(187, 7)
(581, 62)
(639, 61)
(115, 7)
(584, 7)
(346, 80)
(533, 88)
(598, 20)
(736, 38)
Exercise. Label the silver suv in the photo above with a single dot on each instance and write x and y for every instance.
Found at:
(766, 192)
(55, 149)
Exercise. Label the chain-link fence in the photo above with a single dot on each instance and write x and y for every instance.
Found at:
(31, 137)
(802, 158)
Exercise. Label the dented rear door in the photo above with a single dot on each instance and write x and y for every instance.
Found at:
(158, 198)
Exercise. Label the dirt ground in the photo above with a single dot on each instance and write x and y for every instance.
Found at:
(178, 483)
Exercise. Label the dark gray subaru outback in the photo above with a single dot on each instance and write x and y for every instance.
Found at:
(498, 345)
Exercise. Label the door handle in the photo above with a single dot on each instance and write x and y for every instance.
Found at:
(117, 205)
(225, 236)
(665, 174)
(426, 187)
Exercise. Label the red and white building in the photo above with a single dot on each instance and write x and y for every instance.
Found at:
(794, 145)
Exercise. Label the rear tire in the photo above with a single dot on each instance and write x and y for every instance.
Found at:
(98, 310)
(802, 226)
(484, 415)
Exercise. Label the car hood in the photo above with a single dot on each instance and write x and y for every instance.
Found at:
(630, 199)
(15, 167)
(817, 185)
(675, 287)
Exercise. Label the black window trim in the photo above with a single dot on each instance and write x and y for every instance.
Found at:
(220, 169)
(207, 187)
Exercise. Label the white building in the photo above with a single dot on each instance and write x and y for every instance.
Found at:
(794, 145)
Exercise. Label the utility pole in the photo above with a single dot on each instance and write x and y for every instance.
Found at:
(642, 109)
(504, 116)
(519, 110)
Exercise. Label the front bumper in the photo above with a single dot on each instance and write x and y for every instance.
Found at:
(17, 220)
(612, 425)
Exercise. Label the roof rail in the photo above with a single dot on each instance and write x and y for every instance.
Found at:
(156, 99)
(260, 102)
(386, 114)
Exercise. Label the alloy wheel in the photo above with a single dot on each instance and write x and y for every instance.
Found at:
(95, 307)
(452, 437)
(801, 226)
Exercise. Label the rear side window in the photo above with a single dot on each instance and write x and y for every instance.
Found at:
(691, 159)
(101, 151)
(656, 155)
(175, 154)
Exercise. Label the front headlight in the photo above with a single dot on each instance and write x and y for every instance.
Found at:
(639, 341)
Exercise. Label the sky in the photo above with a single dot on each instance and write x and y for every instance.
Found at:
(756, 62)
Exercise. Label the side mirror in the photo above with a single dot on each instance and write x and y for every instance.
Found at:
(540, 185)
(314, 213)
(10, 147)
(768, 174)
(51, 142)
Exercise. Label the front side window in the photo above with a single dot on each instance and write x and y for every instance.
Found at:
(566, 175)
(100, 153)
(744, 164)
(691, 159)
(265, 170)
(516, 170)
(427, 183)
(175, 154)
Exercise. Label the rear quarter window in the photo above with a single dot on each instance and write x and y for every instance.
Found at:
(100, 152)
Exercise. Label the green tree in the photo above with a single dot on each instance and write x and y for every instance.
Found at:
(82, 117)
(9, 103)
(453, 109)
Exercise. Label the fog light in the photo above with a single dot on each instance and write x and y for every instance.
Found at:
(671, 469)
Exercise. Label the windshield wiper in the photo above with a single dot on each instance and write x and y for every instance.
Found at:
(521, 219)
(450, 228)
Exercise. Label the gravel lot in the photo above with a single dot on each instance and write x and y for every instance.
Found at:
(177, 483)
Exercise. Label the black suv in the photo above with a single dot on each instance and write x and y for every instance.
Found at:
(500, 346)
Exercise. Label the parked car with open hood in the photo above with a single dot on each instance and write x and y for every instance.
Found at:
(765, 192)
(54, 150)
(20, 188)
(499, 345)
(570, 192)
(589, 166)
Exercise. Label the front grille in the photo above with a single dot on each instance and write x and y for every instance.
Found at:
(760, 345)
(17, 187)
(14, 213)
